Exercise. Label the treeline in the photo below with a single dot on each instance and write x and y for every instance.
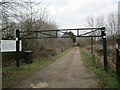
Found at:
(110, 21)
(25, 16)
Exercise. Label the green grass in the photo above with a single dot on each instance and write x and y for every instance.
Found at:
(107, 79)
(12, 75)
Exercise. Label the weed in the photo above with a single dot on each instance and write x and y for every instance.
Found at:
(12, 74)
(108, 79)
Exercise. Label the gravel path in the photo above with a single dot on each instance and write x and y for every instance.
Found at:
(68, 71)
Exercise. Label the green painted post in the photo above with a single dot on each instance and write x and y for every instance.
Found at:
(17, 48)
(104, 48)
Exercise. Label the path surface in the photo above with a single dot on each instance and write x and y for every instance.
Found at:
(68, 71)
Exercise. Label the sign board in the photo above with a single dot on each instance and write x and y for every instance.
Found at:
(9, 45)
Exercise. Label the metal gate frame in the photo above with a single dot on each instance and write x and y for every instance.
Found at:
(45, 32)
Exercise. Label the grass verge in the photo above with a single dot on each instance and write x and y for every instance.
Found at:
(108, 79)
(12, 75)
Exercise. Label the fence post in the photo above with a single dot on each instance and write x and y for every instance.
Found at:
(104, 48)
(56, 34)
(118, 58)
(17, 48)
(91, 45)
(77, 32)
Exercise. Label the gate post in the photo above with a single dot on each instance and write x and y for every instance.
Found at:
(17, 48)
(104, 48)
(91, 45)
(118, 58)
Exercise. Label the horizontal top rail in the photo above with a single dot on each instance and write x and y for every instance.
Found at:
(103, 28)
(56, 37)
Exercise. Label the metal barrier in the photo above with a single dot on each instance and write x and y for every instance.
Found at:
(20, 35)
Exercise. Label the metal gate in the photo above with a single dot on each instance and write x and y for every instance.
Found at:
(20, 35)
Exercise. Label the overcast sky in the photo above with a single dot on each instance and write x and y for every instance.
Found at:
(73, 13)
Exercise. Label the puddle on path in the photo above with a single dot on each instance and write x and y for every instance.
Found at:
(39, 85)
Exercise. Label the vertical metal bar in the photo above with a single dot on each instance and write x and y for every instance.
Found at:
(91, 45)
(118, 58)
(36, 35)
(77, 32)
(56, 33)
(17, 48)
(104, 49)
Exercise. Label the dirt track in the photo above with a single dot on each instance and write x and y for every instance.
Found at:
(68, 71)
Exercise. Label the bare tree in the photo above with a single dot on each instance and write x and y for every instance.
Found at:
(100, 22)
(7, 8)
(90, 21)
(112, 24)
(30, 15)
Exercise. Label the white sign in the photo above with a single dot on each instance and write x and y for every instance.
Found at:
(9, 45)
(116, 46)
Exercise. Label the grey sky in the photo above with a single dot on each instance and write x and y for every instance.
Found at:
(73, 13)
